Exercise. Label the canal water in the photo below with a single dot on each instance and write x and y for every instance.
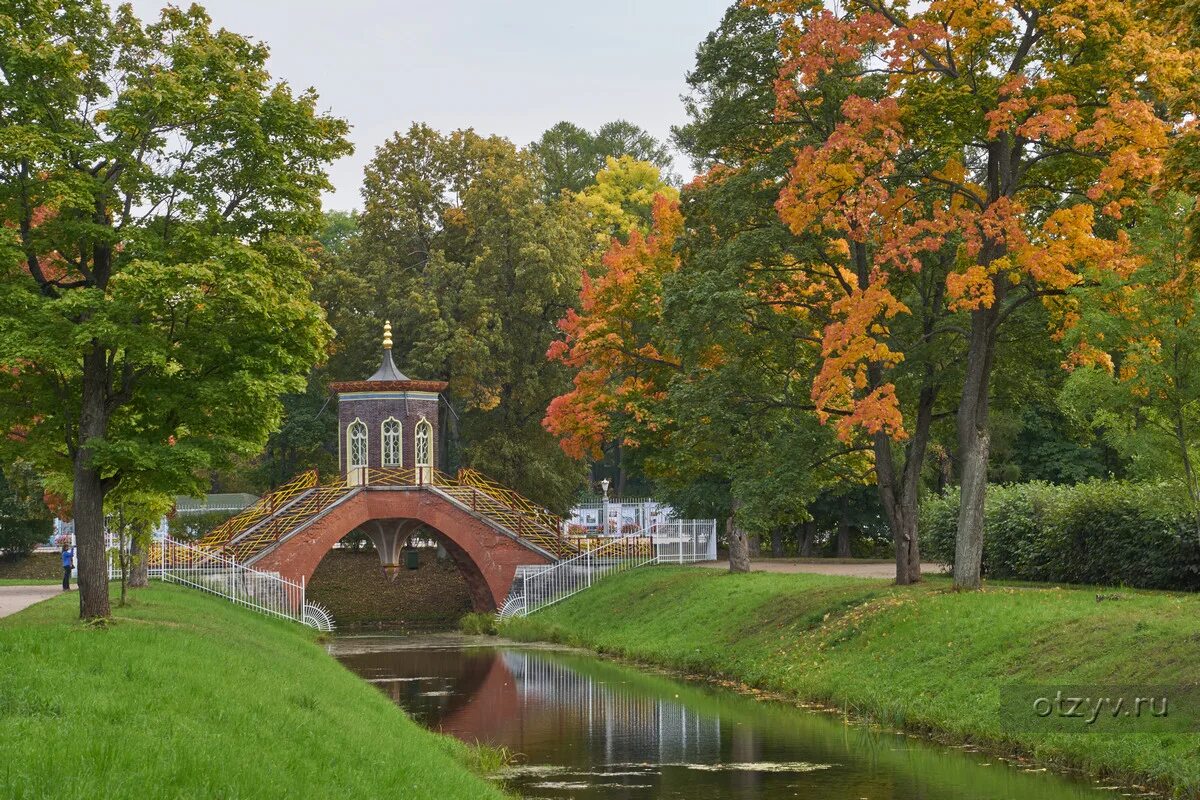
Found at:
(588, 728)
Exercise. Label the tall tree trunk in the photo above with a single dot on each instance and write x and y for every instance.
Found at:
(843, 530)
(974, 445)
(620, 469)
(88, 504)
(900, 494)
(777, 543)
(139, 571)
(808, 535)
(739, 550)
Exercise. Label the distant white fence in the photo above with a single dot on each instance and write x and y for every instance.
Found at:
(265, 592)
(685, 541)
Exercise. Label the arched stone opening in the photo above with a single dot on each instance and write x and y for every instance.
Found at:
(353, 586)
(487, 557)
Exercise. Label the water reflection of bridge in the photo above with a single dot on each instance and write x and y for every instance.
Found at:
(624, 725)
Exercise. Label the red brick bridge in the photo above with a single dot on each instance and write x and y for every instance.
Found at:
(390, 488)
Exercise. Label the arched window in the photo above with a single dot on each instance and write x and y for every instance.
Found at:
(356, 445)
(391, 443)
(424, 451)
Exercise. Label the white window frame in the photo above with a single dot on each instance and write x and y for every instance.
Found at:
(424, 466)
(355, 472)
(386, 439)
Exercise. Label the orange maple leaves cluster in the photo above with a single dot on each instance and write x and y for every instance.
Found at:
(619, 369)
(849, 186)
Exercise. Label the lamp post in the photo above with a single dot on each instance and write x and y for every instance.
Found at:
(604, 506)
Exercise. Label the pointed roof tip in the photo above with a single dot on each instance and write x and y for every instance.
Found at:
(387, 335)
(387, 369)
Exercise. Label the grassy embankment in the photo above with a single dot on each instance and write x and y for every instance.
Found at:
(187, 696)
(922, 658)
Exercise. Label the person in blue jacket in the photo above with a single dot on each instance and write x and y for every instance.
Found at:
(68, 562)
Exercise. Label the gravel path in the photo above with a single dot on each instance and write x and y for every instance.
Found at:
(853, 569)
(15, 598)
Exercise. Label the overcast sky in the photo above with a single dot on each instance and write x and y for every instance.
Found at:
(511, 68)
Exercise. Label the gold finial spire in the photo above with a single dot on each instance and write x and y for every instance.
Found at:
(387, 335)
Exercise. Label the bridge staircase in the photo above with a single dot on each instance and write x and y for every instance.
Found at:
(289, 509)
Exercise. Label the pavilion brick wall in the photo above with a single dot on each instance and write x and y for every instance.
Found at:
(373, 412)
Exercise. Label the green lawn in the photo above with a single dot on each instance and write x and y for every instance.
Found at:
(920, 658)
(187, 696)
(31, 582)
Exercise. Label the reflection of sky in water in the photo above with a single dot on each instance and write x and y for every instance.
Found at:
(585, 728)
(621, 725)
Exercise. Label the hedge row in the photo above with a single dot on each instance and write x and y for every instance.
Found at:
(1101, 532)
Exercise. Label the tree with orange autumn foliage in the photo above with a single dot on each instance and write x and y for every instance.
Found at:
(1002, 142)
(614, 344)
(682, 344)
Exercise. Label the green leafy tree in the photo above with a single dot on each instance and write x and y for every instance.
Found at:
(307, 437)
(735, 296)
(473, 267)
(154, 303)
(25, 522)
(1143, 398)
(571, 156)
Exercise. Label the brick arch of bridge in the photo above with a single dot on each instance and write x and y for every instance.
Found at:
(487, 558)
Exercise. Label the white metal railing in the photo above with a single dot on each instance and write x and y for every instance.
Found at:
(685, 541)
(678, 541)
(265, 592)
(532, 589)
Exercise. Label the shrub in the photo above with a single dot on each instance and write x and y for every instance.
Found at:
(1100, 532)
(24, 520)
(476, 624)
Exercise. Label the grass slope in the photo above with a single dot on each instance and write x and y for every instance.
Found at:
(920, 658)
(187, 696)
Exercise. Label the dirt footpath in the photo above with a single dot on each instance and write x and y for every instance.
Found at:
(15, 598)
(849, 568)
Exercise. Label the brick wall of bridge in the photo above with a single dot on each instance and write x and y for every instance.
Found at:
(487, 558)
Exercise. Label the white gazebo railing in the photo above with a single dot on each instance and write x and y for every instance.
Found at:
(265, 592)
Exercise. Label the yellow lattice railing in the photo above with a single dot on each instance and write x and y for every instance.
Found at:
(287, 520)
(263, 508)
(279, 513)
(510, 498)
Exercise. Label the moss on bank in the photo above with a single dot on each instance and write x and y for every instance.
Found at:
(921, 658)
(186, 696)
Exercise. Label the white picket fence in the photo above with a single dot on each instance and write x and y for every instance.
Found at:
(673, 542)
(265, 592)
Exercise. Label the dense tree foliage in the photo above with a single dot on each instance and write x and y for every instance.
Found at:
(571, 156)
(474, 266)
(25, 522)
(1143, 397)
(154, 299)
(998, 151)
